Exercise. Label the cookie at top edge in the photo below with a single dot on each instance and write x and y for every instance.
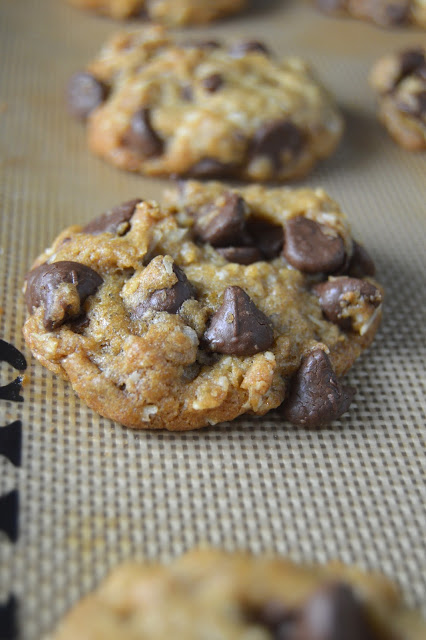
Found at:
(213, 594)
(221, 302)
(384, 13)
(159, 106)
(171, 12)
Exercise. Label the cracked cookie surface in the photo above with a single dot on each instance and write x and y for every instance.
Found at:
(213, 594)
(203, 109)
(172, 12)
(385, 13)
(206, 308)
(399, 80)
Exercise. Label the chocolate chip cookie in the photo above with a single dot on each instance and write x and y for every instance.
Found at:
(203, 109)
(400, 82)
(219, 303)
(213, 594)
(385, 13)
(172, 12)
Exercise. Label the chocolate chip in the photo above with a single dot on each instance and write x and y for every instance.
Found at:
(312, 247)
(169, 299)
(395, 13)
(211, 168)
(344, 300)
(411, 60)
(316, 397)
(238, 327)
(223, 223)
(275, 138)
(43, 289)
(84, 94)
(141, 137)
(117, 220)
(213, 82)
(267, 236)
(334, 613)
(240, 255)
(361, 263)
(239, 49)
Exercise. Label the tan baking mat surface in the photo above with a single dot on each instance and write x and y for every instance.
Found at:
(91, 493)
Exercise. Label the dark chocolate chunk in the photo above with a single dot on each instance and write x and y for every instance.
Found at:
(238, 327)
(9, 619)
(141, 137)
(223, 223)
(240, 255)
(267, 236)
(316, 396)
(84, 94)
(116, 220)
(9, 511)
(361, 263)
(213, 82)
(239, 49)
(334, 613)
(340, 294)
(312, 247)
(170, 299)
(11, 355)
(11, 442)
(275, 138)
(211, 168)
(42, 288)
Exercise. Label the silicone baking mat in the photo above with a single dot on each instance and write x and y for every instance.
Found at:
(88, 493)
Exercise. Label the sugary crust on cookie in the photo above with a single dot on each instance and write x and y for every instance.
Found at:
(173, 12)
(213, 594)
(151, 368)
(205, 110)
(399, 80)
(385, 13)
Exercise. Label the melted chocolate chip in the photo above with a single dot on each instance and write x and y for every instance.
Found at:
(316, 396)
(238, 327)
(240, 255)
(334, 613)
(84, 94)
(273, 139)
(211, 168)
(239, 49)
(223, 223)
(213, 82)
(11, 442)
(311, 247)
(361, 263)
(170, 299)
(42, 290)
(9, 510)
(338, 295)
(141, 137)
(267, 236)
(116, 221)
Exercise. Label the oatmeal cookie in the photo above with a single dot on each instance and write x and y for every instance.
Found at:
(172, 12)
(202, 109)
(221, 302)
(399, 80)
(385, 13)
(213, 594)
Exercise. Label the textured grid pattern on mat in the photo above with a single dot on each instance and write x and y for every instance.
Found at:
(93, 494)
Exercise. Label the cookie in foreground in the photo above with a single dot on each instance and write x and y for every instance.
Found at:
(213, 594)
(399, 80)
(385, 13)
(219, 303)
(202, 109)
(173, 12)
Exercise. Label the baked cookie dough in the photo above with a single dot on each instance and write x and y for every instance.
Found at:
(385, 13)
(213, 594)
(203, 109)
(172, 12)
(399, 80)
(221, 303)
